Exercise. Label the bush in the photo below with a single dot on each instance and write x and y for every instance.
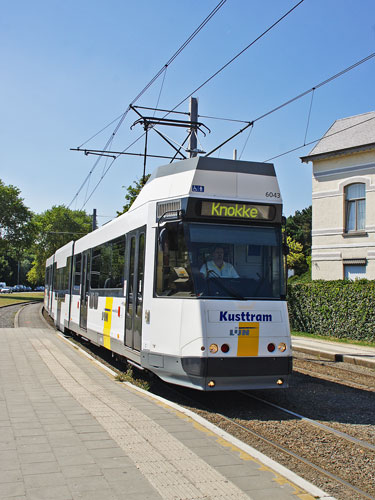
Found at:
(341, 309)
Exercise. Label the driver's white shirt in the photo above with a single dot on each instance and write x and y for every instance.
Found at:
(226, 270)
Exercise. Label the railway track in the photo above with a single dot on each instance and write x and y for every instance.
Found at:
(332, 459)
(306, 466)
(351, 376)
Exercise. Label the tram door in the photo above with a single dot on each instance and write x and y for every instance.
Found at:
(85, 276)
(135, 285)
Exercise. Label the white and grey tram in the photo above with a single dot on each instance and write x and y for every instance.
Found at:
(189, 283)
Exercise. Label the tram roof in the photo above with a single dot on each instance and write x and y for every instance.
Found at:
(216, 165)
(210, 177)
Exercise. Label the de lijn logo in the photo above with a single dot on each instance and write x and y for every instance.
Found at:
(243, 331)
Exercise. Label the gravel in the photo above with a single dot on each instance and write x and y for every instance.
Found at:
(7, 315)
(336, 394)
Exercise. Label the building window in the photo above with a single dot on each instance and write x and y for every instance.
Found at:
(354, 272)
(355, 207)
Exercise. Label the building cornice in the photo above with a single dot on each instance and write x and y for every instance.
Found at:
(339, 152)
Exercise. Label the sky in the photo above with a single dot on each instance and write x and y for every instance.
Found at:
(69, 68)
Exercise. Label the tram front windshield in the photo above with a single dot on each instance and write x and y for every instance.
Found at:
(219, 261)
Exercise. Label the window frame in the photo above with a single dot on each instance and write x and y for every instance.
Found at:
(355, 202)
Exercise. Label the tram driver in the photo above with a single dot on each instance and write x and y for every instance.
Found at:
(217, 267)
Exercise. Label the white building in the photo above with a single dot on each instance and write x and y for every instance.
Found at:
(343, 200)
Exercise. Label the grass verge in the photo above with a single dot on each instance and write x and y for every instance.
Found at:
(18, 297)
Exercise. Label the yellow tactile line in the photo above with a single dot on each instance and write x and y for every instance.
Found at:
(173, 469)
(299, 492)
(279, 478)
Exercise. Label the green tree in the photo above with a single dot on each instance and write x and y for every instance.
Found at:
(298, 227)
(132, 193)
(295, 259)
(54, 228)
(16, 230)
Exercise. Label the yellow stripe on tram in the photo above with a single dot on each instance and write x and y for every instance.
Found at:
(107, 322)
(248, 339)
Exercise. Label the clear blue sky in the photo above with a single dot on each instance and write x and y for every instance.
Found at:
(70, 67)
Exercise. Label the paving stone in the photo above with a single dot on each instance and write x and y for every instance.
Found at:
(49, 493)
(31, 458)
(10, 476)
(104, 443)
(16, 488)
(40, 467)
(81, 471)
(8, 464)
(46, 479)
(107, 452)
(87, 483)
(107, 494)
(34, 448)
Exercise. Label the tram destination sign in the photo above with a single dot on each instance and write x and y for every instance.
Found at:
(232, 210)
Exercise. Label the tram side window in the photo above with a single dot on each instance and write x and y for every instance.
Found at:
(76, 273)
(173, 272)
(54, 283)
(107, 265)
(48, 272)
(61, 278)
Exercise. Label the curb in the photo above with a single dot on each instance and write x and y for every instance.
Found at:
(23, 305)
(257, 455)
(252, 452)
(357, 360)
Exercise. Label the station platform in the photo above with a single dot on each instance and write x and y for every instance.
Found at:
(335, 351)
(69, 431)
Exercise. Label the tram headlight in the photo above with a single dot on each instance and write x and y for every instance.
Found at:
(282, 347)
(213, 348)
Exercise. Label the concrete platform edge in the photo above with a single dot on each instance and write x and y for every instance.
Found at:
(252, 452)
(268, 462)
(345, 358)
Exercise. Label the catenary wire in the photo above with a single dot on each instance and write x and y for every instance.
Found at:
(220, 70)
(299, 96)
(309, 115)
(239, 54)
(290, 101)
(320, 139)
(122, 117)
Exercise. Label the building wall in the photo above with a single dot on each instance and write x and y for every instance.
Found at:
(332, 247)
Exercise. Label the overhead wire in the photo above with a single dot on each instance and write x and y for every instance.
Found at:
(286, 103)
(320, 139)
(309, 115)
(227, 64)
(299, 96)
(122, 117)
(239, 54)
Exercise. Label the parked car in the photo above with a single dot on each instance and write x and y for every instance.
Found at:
(6, 289)
(39, 289)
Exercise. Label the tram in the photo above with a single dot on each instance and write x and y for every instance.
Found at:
(189, 283)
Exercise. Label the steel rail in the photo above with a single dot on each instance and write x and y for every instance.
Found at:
(331, 430)
(281, 448)
(330, 378)
(299, 458)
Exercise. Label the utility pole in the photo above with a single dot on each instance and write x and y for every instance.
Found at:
(193, 109)
(94, 225)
